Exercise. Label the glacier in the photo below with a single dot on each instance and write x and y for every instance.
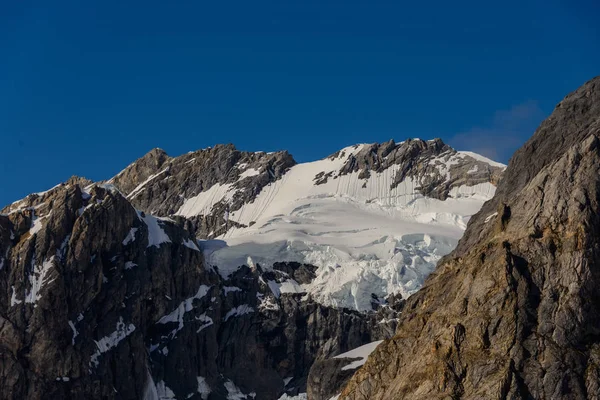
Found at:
(365, 237)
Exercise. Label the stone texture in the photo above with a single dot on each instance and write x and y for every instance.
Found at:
(158, 184)
(432, 163)
(512, 313)
(91, 310)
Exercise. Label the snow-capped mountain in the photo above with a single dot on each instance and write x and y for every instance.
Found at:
(374, 218)
(222, 274)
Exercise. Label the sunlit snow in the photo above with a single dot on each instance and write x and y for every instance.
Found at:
(363, 235)
(361, 352)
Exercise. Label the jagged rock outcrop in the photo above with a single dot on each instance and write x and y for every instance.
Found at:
(158, 184)
(104, 301)
(432, 164)
(512, 313)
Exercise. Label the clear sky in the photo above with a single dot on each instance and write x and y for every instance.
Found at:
(86, 87)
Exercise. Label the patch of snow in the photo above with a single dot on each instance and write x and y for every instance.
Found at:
(481, 158)
(191, 244)
(207, 321)
(361, 352)
(300, 396)
(75, 333)
(228, 289)
(249, 172)
(111, 188)
(13, 298)
(130, 264)
(36, 225)
(266, 303)
(204, 201)
(163, 391)
(138, 188)
(489, 217)
(203, 388)
(238, 311)
(108, 342)
(46, 191)
(483, 191)
(291, 286)
(184, 307)
(37, 279)
(274, 286)
(156, 234)
(151, 392)
(234, 393)
(130, 236)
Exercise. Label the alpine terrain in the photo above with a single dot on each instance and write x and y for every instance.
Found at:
(223, 274)
(512, 312)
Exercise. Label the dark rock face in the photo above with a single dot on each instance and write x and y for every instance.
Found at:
(512, 313)
(157, 183)
(103, 301)
(327, 378)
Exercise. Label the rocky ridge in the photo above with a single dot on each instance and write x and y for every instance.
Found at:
(435, 166)
(160, 185)
(512, 312)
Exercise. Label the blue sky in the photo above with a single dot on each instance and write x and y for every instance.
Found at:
(86, 87)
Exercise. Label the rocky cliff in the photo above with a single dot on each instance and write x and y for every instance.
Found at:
(104, 301)
(512, 313)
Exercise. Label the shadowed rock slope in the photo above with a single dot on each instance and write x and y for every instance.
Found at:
(512, 313)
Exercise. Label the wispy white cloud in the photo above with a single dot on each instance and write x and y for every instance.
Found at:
(508, 130)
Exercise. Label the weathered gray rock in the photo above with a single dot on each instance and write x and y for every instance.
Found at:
(103, 301)
(434, 165)
(158, 184)
(512, 313)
